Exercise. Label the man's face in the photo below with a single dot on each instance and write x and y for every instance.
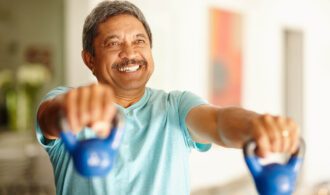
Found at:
(123, 56)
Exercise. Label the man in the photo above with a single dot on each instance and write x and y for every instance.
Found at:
(160, 127)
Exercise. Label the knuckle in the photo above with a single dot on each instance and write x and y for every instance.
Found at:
(282, 122)
(93, 85)
(277, 119)
(266, 117)
(99, 86)
(69, 95)
(256, 119)
(290, 121)
(84, 90)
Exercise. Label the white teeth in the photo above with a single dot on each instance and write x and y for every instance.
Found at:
(129, 68)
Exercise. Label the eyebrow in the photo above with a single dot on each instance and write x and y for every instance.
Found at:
(111, 37)
(141, 35)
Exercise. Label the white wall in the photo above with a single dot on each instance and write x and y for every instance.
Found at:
(180, 30)
(76, 71)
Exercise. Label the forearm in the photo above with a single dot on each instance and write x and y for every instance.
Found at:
(48, 118)
(234, 126)
(228, 126)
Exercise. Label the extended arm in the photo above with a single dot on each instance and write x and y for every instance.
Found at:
(234, 126)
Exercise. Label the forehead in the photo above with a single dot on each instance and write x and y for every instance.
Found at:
(122, 23)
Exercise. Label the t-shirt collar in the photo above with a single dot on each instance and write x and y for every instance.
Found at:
(137, 104)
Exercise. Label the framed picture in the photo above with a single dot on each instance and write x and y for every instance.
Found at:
(225, 57)
(40, 54)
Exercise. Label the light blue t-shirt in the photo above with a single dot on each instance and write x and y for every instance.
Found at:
(153, 157)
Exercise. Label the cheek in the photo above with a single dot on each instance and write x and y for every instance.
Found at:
(152, 65)
(107, 59)
(151, 62)
(103, 64)
(148, 56)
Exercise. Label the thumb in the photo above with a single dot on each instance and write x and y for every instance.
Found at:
(101, 128)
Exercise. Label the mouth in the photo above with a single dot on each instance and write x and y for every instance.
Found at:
(129, 65)
(129, 69)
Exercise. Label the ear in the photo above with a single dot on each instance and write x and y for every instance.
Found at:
(88, 60)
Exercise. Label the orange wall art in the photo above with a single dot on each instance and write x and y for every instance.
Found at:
(225, 57)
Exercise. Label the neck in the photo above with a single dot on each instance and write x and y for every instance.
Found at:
(126, 99)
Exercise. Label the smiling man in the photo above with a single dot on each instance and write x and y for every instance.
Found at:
(160, 128)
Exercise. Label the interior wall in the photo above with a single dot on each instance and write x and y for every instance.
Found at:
(76, 71)
(22, 25)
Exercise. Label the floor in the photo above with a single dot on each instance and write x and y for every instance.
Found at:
(24, 166)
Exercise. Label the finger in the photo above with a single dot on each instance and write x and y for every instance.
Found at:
(71, 110)
(109, 107)
(83, 113)
(272, 132)
(101, 128)
(284, 134)
(261, 138)
(95, 103)
(286, 139)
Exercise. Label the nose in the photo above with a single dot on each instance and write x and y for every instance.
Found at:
(127, 51)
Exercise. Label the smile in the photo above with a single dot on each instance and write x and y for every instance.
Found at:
(129, 68)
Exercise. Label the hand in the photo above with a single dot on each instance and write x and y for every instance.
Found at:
(275, 134)
(90, 106)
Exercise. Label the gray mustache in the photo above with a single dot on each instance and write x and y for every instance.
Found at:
(126, 62)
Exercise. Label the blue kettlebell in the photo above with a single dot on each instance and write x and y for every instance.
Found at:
(95, 156)
(274, 178)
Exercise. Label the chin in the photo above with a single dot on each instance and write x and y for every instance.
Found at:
(134, 86)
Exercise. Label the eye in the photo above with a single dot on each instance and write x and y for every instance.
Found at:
(140, 42)
(112, 44)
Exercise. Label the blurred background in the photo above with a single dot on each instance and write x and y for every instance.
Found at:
(268, 56)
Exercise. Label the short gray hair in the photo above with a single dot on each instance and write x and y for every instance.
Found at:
(102, 12)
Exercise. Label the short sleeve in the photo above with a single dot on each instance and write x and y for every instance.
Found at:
(46, 143)
(187, 101)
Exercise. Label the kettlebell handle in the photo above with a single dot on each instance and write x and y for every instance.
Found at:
(70, 140)
(254, 165)
(251, 146)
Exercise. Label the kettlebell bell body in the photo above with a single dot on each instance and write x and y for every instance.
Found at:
(95, 156)
(274, 178)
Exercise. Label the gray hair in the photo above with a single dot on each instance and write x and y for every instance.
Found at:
(102, 12)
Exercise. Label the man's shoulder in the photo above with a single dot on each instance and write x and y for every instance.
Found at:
(176, 96)
(162, 94)
(59, 89)
(56, 91)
